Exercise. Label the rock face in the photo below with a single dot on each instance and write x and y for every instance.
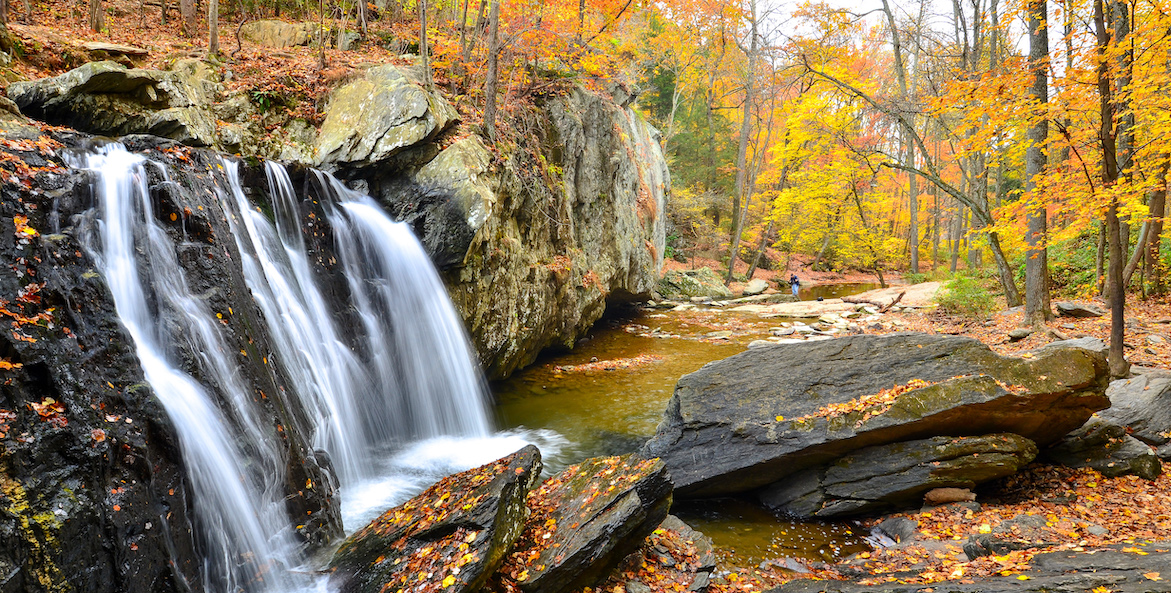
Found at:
(109, 99)
(684, 284)
(533, 243)
(750, 420)
(1143, 405)
(1106, 447)
(93, 491)
(884, 477)
(561, 239)
(584, 521)
(458, 531)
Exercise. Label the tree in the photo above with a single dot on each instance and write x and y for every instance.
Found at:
(743, 188)
(213, 28)
(493, 70)
(1037, 310)
(186, 17)
(97, 16)
(424, 57)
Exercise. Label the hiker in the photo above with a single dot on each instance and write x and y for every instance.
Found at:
(795, 284)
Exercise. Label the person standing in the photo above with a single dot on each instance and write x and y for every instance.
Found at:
(795, 284)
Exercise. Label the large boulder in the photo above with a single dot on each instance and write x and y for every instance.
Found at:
(274, 33)
(457, 532)
(885, 477)
(1106, 447)
(684, 284)
(584, 521)
(757, 417)
(809, 309)
(371, 120)
(1071, 309)
(1142, 404)
(109, 99)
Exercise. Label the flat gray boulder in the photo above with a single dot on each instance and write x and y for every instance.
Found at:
(1071, 309)
(917, 295)
(747, 421)
(1142, 404)
(886, 477)
(755, 286)
(274, 33)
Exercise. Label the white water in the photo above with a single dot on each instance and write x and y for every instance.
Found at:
(396, 402)
(237, 506)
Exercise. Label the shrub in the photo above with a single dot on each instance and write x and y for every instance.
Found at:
(966, 297)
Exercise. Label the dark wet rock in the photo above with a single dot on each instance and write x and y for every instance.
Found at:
(1105, 446)
(93, 494)
(899, 529)
(702, 282)
(585, 520)
(457, 532)
(1065, 571)
(895, 476)
(1068, 309)
(750, 420)
(1142, 404)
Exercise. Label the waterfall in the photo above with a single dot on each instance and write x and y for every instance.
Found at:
(239, 508)
(395, 398)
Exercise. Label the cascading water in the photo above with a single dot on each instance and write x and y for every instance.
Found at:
(396, 402)
(244, 525)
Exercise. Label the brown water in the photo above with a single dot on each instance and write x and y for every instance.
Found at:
(607, 396)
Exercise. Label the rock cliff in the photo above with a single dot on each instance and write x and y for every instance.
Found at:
(534, 235)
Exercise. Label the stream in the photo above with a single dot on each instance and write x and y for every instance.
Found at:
(607, 396)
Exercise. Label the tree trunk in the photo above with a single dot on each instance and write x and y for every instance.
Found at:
(913, 204)
(97, 16)
(1157, 208)
(187, 17)
(213, 28)
(1037, 310)
(1119, 367)
(424, 54)
(493, 70)
(742, 177)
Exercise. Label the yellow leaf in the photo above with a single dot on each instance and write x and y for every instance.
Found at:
(1023, 577)
(448, 581)
(1154, 576)
(780, 418)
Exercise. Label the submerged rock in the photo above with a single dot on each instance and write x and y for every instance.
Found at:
(750, 420)
(893, 476)
(1105, 446)
(456, 533)
(584, 521)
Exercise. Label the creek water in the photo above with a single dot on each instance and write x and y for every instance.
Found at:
(607, 396)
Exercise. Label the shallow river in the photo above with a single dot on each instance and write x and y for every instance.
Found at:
(607, 396)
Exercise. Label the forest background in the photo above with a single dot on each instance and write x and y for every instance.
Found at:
(1019, 145)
